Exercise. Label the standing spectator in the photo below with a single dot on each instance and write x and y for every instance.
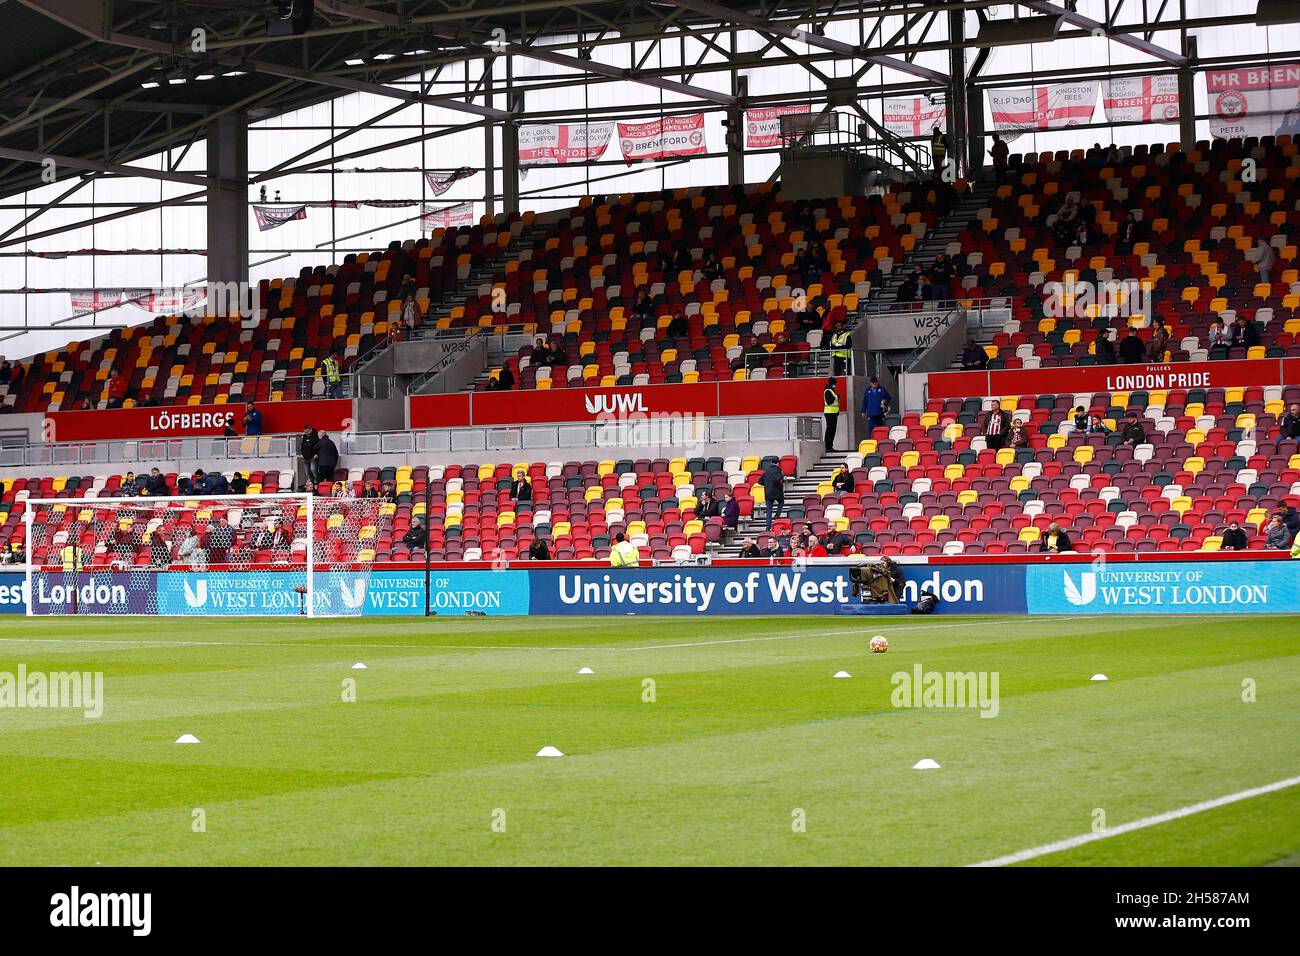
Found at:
(1290, 517)
(238, 484)
(6, 373)
(1132, 433)
(1103, 350)
(773, 491)
(221, 538)
(678, 327)
(333, 375)
(538, 550)
(191, 551)
(831, 410)
(327, 458)
(1127, 235)
(1288, 426)
(876, 402)
(1159, 340)
(397, 331)
(156, 485)
(307, 452)
(1277, 536)
(117, 385)
(416, 536)
(938, 150)
(999, 152)
(1265, 258)
(1234, 539)
(974, 358)
(1131, 350)
(160, 554)
(521, 489)
(624, 553)
(410, 311)
(252, 420)
(997, 425)
(1056, 540)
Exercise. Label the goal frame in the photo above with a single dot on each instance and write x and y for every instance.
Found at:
(304, 497)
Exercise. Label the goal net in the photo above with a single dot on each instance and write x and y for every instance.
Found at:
(279, 554)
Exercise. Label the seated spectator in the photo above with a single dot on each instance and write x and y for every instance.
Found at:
(198, 483)
(416, 536)
(14, 554)
(1127, 236)
(1018, 436)
(1056, 540)
(117, 387)
(1277, 537)
(1234, 539)
(683, 261)
(504, 380)
(1082, 235)
(706, 507)
(1243, 333)
(974, 357)
(540, 355)
(643, 308)
(191, 551)
(1288, 426)
(1133, 433)
(238, 484)
(215, 483)
(1290, 517)
(1081, 418)
(129, 488)
(1103, 350)
(397, 331)
(750, 550)
(842, 480)
(1216, 337)
(340, 490)
(160, 553)
(678, 328)
(538, 550)
(156, 485)
(730, 512)
(388, 492)
(910, 288)
(712, 268)
(1131, 350)
(1097, 426)
(521, 489)
(370, 492)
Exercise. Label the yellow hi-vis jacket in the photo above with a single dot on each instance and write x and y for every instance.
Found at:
(832, 399)
(72, 558)
(624, 555)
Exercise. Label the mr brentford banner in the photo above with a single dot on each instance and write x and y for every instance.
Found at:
(1254, 100)
(1054, 106)
(763, 126)
(1115, 378)
(914, 116)
(188, 421)
(1145, 99)
(662, 138)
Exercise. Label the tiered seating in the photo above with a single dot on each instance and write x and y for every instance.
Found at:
(583, 280)
(340, 309)
(578, 506)
(1199, 213)
(928, 485)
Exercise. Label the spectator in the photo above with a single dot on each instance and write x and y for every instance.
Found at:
(1159, 340)
(842, 480)
(712, 268)
(624, 553)
(706, 507)
(1244, 333)
(1277, 536)
(1081, 234)
(156, 485)
(1097, 426)
(117, 386)
(643, 308)
(538, 550)
(160, 553)
(327, 458)
(1131, 350)
(876, 402)
(129, 488)
(332, 372)
(1132, 433)
(999, 152)
(1103, 350)
(340, 490)
(1056, 540)
(397, 331)
(504, 381)
(540, 355)
(1127, 236)
(678, 327)
(684, 261)
(370, 492)
(191, 552)
(416, 536)
(773, 491)
(1290, 517)
(1234, 539)
(1216, 337)
(252, 420)
(15, 553)
(221, 538)
(909, 290)
(238, 484)
(750, 550)
(1265, 258)
(6, 373)
(388, 492)
(521, 489)
(938, 150)
(1081, 418)
(1018, 437)
(997, 425)
(1288, 426)
(307, 452)
(215, 483)
(974, 358)
(831, 411)
(730, 512)
(841, 343)
(410, 311)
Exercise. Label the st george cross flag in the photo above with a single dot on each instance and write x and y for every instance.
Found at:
(1054, 106)
(914, 116)
(1141, 99)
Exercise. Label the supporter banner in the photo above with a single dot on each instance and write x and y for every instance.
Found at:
(1054, 106)
(88, 301)
(183, 421)
(272, 217)
(1261, 587)
(440, 180)
(1114, 378)
(763, 126)
(448, 217)
(1254, 100)
(914, 116)
(159, 301)
(551, 144)
(801, 396)
(1147, 99)
(663, 138)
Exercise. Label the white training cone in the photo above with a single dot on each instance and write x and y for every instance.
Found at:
(1099, 677)
(549, 752)
(926, 764)
(358, 666)
(187, 739)
(586, 670)
(843, 674)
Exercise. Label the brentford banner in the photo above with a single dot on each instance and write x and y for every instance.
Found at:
(1054, 106)
(1141, 99)
(448, 217)
(914, 116)
(84, 302)
(763, 127)
(157, 301)
(440, 180)
(271, 217)
(551, 144)
(1254, 100)
(663, 138)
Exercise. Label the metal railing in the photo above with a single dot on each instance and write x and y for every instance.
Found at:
(143, 451)
(815, 363)
(351, 385)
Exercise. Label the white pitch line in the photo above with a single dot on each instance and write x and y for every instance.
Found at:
(1156, 820)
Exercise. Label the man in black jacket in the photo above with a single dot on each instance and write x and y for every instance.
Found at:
(307, 451)
(1288, 426)
(1132, 433)
(327, 458)
(1234, 539)
(1131, 350)
(416, 536)
(751, 550)
(538, 550)
(773, 491)
(1056, 540)
(521, 489)
(156, 485)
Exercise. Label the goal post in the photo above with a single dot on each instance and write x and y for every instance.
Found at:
(197, 555)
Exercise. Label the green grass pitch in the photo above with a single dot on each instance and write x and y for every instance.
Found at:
(749, 753)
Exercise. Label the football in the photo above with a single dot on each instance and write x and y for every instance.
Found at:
(879, 645)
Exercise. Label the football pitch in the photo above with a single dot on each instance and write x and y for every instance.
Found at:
(727, 741)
